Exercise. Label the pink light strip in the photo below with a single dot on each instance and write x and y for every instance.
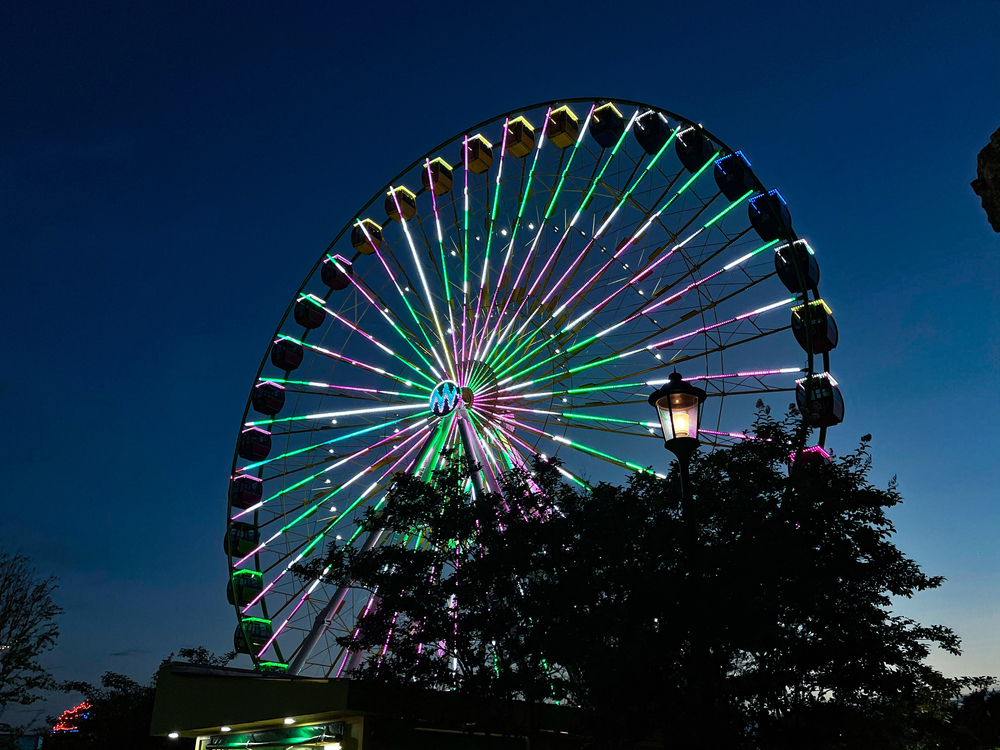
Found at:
(465, 249)
(337, 464)
(538, 235)
(332, 524)
(444, 271)
(664, 344)
(513, 235)
(486, 259)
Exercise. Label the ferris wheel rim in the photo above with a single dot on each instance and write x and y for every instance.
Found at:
(397, 180)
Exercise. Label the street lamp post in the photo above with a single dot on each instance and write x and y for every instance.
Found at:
(678, 406)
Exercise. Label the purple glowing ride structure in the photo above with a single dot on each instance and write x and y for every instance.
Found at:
(519, 290)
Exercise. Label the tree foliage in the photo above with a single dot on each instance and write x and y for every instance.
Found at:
(754, 614)
(121, 709)
(27, 630)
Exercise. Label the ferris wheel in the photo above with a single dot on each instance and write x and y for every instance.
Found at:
(518, 290)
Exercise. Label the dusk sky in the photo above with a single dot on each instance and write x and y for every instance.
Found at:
(171, 173)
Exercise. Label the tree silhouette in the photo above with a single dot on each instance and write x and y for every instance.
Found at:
(756, 615)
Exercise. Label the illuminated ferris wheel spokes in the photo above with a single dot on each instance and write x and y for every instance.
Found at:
(532, 280)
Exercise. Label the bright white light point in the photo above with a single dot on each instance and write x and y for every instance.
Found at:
(225, 729)
(503, 232)
(641, 294)
(565, 400)
(651, 432)
(396, 430)
(327, 481)
(330, 450)
(333, 421)
(173, 735)
(407, 289)
(477, 236)
(531, 226)
(333, 510)
(289, 720)
(453, 253)
(659, 356)
(339, 537)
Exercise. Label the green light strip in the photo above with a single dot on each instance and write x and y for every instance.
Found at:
(385, 315)
(621, 202)
(496, 200)
(729, 208)
(373, 340)
(429, 302)
(513, 236)
(332, 523)
(296, 452)
(593, 338)
(608, 456)
(548, 213)
(317, 384)
(354, 362)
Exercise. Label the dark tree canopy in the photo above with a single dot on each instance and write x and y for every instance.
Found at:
(755, 615)
(27, 630)
(121, 709)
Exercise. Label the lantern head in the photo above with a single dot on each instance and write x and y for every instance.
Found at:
(678, 407)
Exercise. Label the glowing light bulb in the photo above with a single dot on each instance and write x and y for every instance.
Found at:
(289, 720)
(682, 424)
(225, 729)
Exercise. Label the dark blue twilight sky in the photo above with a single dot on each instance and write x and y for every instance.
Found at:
(170, 173)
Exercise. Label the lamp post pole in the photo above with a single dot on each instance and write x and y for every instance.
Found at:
(678, 407)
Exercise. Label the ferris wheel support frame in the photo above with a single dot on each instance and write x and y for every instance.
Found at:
(474, 433)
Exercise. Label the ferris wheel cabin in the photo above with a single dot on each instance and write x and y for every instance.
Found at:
(268, 398)
(820, 319)
(520, 138)
(400, 201)
(257, 632)
(366, 237)
(255, 444)
(733, 176)
(243, 586)
(241, 538)
(562, 128)
(651, 132)
(607, 125)
(309, 312)
(438, 176)
(785, 258)
(479, 152)
(245, 491)
(769, 216)
(826, 407)
(693, 150)
(336, 273)
(286, 354)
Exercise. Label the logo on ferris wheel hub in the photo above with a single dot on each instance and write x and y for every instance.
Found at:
(445, 397)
